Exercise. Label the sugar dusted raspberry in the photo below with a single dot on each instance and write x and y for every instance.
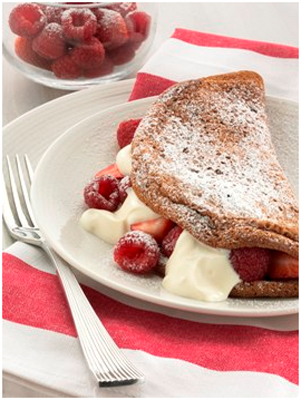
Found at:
(27, 19)
(23, 49)
(124, 184)
(105, 68)
(52, 13)
(138, 25)
(78, 24)
(122, 8)
(251, 264)
(123, 54)
(65, 68)
(50, 43)
(126, 131)
(102, 193)
(89, 54)
(111, 28)
(170, 240)
(136, 252)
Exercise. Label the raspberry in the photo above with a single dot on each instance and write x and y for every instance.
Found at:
(122, 8)
(161, 265)
(170, 240)
(23, 49)
(50, 43)
(102, 193)
(78, 24)
(53, 14)
(106, 68)
(251, 264)
(65, 68)
(89, 54)
(126, 131)
(27, 19)
(111, 29)
(122, 55)
(138, 25)
(136, 252)
(124, 184)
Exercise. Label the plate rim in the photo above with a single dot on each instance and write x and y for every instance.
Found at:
(175, 302)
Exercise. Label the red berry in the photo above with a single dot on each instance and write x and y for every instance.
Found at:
(124, 184)
(138, 25)
(23, 49)
(157, 227)
(251, 264)
(106, 68)
(27, 19)
(65, 68)
(50, 43)
(170, 240)
(110, 170)
(53, 14)
(102, 193)
(283, 266)
(89, 54)
(122, 8)
(123, 54)
(126, 131)
(78, 24)
(111, 28)
(136, 252)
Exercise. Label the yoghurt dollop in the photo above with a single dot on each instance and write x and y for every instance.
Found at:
(198, 271)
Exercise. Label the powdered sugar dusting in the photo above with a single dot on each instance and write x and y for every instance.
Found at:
(208, 151)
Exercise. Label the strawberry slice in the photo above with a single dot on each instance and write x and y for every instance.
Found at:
(283, 266)
(157, 227)
(110, 170)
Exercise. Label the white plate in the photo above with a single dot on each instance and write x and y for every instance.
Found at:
(90, 146)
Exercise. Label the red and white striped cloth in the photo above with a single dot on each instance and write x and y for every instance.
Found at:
(208, 357)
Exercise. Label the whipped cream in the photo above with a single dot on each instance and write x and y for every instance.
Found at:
(110, 226)
(198, 271)
(124, 160)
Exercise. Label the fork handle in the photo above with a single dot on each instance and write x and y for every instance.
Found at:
(104, 358)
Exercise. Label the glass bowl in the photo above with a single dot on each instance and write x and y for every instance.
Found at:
(76, 45)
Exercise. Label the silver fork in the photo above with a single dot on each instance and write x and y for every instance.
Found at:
(104, 358)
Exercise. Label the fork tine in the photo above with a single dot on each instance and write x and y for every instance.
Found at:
(7, 213)
(29, 168)
(24, 187)
(22, 217)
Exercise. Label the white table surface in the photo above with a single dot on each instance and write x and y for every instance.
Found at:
(272, 22)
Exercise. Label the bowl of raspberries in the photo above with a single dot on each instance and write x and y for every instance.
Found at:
(76, 45)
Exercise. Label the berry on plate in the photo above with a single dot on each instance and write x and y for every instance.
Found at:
(126, 131)
(283, 266)
(136, 252)
(89, 54)
(124, 184)
(27, 19)
(157, 227)
(111, 28)
(50, 43)
(78, 24)
(110, 170)
(251, 264)
(102, 193)
(170, 240)
(65, 68)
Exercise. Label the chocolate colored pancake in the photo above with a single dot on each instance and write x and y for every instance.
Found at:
(203, 157)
